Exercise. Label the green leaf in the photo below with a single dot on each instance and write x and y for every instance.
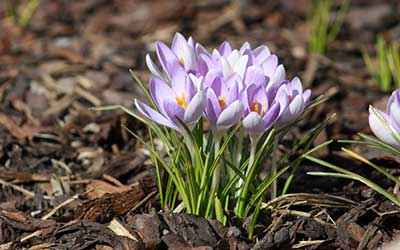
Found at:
(254, 219)
(378, 144)
(376, 167)
(265, 184)
(342, 173)
(219, 211)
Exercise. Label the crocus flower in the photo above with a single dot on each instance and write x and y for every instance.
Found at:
(180, 102)
(262, 58)
(244, 62)
(223, 108)
(181, 55)
(292, 99)
(261, 110)
(228, 62)
(224, 85)
(386, 125)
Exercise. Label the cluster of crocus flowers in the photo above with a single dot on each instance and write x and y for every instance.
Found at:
(227, 86)
(386, 125)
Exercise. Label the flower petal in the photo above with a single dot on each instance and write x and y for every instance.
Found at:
(174, 111)
(394, 98)
(393, 107)
(160, 91)
(216, 85)
(200, 49)
(230, 115)
(271, 115)
(260, 96)
(153, 67)
(283, 99)
(168, 60)
(183, 51)
(210, 113)
(225, 48)
(245, 46)
(210, 77)
(296, 106)
(233, 92)
(378, 122)
(269, 65)
(253, 123)
(240, 66)
(213, 108)
(255, 75)
(178, 80)
(197, 81)
(295, 86)
(227, 69)
(306, 96)
(261, 53)
(195, 108)
(249, 94)
(278, 76)
(190, 88)
(153, 115)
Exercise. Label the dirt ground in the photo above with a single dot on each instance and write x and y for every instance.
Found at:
(73, 178)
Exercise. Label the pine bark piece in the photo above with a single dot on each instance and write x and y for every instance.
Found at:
(103, 209)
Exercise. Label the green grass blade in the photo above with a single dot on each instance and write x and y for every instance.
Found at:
(342, 173)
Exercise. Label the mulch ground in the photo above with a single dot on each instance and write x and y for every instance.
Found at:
(73, 178)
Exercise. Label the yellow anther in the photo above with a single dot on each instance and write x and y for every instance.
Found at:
(222, 102)
(258, 108)
(255, 107)
(181, 101)
(181, 61)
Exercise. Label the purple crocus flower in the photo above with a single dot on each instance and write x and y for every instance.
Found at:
(244, 63)
(292, 99)
(261, 110)
(228, 62)
(386, 125)
(180, 101)
(223, 108)
(223, 85)
(181, 55)
(262, 58)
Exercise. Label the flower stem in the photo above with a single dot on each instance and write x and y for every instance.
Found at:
(274, 169)
(239, 148)
(217, 172)
(216, 175)
(250, 172)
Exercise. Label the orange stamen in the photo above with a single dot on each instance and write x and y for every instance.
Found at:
(181, 101)
(256, 107)
(181, 61)
(222, 102)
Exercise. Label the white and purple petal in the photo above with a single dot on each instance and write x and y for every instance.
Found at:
(230, 115)
(253, 123)
(379, 124)
(153, 115)
(195, 108)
